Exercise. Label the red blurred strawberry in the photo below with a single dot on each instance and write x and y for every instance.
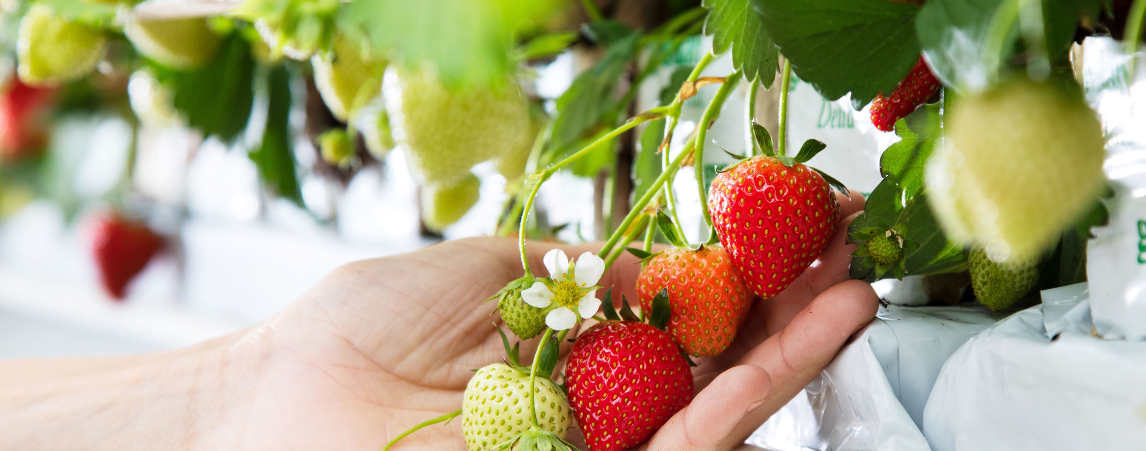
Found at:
(775, 216)
(912, 92)
(709, 297)
(22, 112)
(121, 249)
(625, 379)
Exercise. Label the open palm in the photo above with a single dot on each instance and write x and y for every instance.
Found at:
(381, 345)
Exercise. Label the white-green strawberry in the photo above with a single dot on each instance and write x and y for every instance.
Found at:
(1019, 163)
(345, 78)
(374, 124)
(496, 407)
(524, 320)
(997, 285)
(336, 147)
(511, 164)
(53, 49)
(178, 44)
(445, 203)
(447, 130)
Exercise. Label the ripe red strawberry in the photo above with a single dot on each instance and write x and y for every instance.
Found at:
(22, 111)
(919, 85)
(709, 297)
(625, 379)
(774, 218)
(121, 249)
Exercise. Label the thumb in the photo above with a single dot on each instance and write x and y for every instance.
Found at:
(706, 423)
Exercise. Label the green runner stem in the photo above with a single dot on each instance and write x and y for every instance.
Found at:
(533, 375)
(710, 115)
(750, 116)
(444, 418)
(782, 134)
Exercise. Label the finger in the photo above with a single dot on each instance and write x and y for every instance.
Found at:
(850, 204)
(706, 423)
(795, 355)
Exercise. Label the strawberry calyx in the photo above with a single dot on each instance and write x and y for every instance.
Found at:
(658, 316)
(535, 439)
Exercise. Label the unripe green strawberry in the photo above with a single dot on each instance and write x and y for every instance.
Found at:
(709, 297)
(496, 407)
(1022, 162)
(886, 250)
(444, 204)
(53, 49)
(343, 76)
(998, 285)
(374, 124)
(179, 43)
(336, 147)
(449, 130)
(526, 321)
(511, 164)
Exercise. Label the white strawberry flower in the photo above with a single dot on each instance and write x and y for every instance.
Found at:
(572, 289)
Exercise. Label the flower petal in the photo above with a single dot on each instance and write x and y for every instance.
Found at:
(561, 319)
(589, 269)
(539, 295)
(588, 305)
(556, 262)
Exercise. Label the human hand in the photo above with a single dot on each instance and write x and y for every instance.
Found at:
(385, 344)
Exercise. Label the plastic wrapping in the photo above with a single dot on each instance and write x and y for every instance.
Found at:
(873, 394)
(1116, 261)
(1039, 381)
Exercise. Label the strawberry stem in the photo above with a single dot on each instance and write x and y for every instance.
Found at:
(674, 118)
(750, 114)
(533, 375)
(639, 206)
(637, 231)
(782, 134)
(444, 418)
(1133, 33)
(710, 115)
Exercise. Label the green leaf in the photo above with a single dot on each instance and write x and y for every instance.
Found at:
(648, 165)
(907, 157)
(274, 156)
(546, 45)
(606, 32)
(736, 24)
(627, 312)
(548, 356)
(468, 41)
(511, 353)
(669, 230)
(661, 310)
(935, 254)
(217, 98)
(591, 97)
(835, 184)
(809, 150)
(838, 46)
(954, 36)
(763, 139)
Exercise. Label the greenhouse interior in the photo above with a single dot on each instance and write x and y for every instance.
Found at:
(556, 225)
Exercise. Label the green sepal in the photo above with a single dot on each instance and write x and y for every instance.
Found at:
(763, 139)
(607, 306)
(513, 354)
(688, 359)
(627, 313)
(640, 253)
(786, 161)
(734, 156)
(665, 224)
(661, 310)
(548, 356)
(810, 148)
(835, 184)
(713, 238)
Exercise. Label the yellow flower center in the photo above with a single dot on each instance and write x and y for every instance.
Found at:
(567, 293)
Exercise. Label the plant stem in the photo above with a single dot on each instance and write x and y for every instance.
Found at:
(710, 115)
(782, 134)
(645, 199)
(1132, 34)
(674, 118)
(750, 116)
(637, 230)
(533, 375)
(528, 206)
(444, 418)
(650, 234)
